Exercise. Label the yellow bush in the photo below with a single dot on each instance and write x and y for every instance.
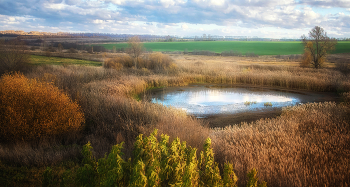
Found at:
(306, 59)
(119, 62)
(158, 61)
(31, 109)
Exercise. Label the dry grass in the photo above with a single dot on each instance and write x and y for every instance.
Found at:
(27, 154)
(154, 61)
(292, 150)
(307, 145)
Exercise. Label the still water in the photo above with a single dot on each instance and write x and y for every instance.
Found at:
(202, 100)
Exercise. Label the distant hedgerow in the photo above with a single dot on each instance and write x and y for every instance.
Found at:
(32, 109)
(153, 61)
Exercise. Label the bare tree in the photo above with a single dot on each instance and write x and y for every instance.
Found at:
(135, 48)
(13, 56)
(60, 48)
(318, 44)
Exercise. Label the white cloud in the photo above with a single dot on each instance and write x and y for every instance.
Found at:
(97, 21)
(55, 6)
(212, 16)
(118, 2)
(171, 3)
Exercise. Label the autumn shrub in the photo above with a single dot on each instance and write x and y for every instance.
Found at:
(31, 109)
(346, 98)
(343, 67)
(306, 59)
(118, 62)
(72, 50)
(158, 61)
(112, 63)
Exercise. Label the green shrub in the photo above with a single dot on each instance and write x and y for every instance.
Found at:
(154, 164)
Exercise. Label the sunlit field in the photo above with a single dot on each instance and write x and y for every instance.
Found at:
(259, 48)
(307, 145)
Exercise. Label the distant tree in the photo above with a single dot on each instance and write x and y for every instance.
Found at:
(318, 44)
(135, 48)
(13, 56)
(60, 48)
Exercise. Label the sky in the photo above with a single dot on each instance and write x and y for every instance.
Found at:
(261, 18)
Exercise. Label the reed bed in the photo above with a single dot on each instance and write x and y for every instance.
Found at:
(306, 146)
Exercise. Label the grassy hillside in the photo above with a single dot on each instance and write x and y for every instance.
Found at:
(260, 48)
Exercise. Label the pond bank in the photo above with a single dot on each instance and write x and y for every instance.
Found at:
(220, 105)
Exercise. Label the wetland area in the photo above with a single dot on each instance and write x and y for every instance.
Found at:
(222, 105)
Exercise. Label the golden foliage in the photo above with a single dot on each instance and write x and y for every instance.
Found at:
(31, 109)
(118, 62)
(158, 61)
(306, 59)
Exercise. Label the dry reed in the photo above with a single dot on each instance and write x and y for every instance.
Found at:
(306, 146)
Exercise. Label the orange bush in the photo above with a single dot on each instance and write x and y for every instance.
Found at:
(31, 109)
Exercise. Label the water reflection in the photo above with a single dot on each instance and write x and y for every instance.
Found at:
(202, 101)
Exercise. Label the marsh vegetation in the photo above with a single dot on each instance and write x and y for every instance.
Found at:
(307, 145)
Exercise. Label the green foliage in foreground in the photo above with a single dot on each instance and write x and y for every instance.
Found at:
(44, 60)
(154, 164)
(257, 47)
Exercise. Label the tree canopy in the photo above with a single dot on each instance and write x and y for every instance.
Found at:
(317, 46)
(135, 48)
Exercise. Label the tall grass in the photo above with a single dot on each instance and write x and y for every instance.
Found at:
(307, 145)
(285, 150)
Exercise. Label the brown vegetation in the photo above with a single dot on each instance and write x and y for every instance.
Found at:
(13, 56)
(30, 109)
(306, 146)
(318, 44)
(291, 150)
(135, 49)
(154, 61)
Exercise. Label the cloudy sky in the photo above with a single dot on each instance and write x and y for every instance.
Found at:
(262, 18)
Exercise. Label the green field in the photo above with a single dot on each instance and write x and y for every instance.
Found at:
(41, 60)
(260, 48)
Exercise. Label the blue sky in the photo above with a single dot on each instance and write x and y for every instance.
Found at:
(262, 18)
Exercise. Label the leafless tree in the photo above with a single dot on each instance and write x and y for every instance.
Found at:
(60, 48)
(318, 44)
(135, 48)
(13, 56)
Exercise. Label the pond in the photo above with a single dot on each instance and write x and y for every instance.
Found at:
(204, 100)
